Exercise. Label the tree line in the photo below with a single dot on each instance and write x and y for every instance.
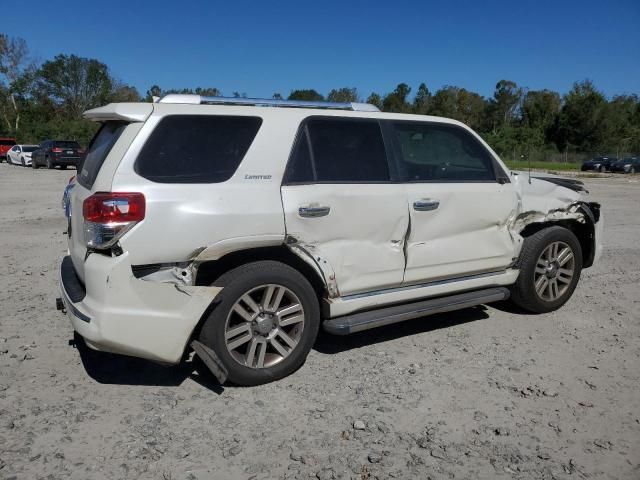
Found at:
(46, 100)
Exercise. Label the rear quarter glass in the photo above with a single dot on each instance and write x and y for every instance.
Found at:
(97, 152)
(196, 148)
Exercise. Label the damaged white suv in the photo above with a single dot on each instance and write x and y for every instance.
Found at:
(236, 228)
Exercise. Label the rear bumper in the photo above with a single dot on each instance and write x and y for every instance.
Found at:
(65, 160)
(118, 313)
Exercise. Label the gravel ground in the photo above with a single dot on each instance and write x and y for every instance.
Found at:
(480, 393)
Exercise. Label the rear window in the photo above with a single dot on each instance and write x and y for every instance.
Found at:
(99, 148)
(7, 142)
(63, 144)
(196, 148)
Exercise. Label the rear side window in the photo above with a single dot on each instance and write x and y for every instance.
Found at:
(437, 152)
(339, 150)
(196, 148)
(98, 149)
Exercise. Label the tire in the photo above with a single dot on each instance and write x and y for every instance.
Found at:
(24, 164)
(50, 164)
(533, 258)
(633, 170)
(34, 164)
(602, 169)
(223, 320)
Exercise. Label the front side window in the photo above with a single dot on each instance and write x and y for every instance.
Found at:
(439, 152)
(338, 150)
(196, 148)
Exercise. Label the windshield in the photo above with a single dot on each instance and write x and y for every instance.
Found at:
(29, 148)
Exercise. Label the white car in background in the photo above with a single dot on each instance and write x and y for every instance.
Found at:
(21, 155)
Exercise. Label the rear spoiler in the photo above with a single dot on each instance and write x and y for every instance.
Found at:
(128, 112)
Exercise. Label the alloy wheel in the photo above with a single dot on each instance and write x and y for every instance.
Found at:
(264, 326)
(554, 271)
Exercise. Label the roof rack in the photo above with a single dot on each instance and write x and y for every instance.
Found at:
(266, 102)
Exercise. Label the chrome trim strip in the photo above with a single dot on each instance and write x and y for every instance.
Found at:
(422, 285)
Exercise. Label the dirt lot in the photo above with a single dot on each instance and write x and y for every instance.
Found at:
(481, 393)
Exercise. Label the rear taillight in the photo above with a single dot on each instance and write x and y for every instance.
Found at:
(80, 150)
(56, 150)
(108, 216)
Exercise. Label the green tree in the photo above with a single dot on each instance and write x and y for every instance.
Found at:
(375, 99)
(422, 100)
(75, 83)
(397, 101)
(503, 107)
(309, 95)
(16, 78)
(581, 119)
(459, 104)
(344, 94)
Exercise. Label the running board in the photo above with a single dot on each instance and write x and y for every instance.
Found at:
(358, 322)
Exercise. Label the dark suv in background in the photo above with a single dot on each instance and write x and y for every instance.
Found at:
(52, 153)
(599, 164)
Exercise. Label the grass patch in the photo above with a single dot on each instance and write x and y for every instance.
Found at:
(524, 165)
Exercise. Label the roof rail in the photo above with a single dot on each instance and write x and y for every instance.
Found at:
(266, 102)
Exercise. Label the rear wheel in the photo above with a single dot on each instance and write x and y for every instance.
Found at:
(602, 168)
(265, 324)
(550, 265)
(50, 164)
(633, 170)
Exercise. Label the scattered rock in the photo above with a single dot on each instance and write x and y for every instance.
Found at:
(359, 425)
(374, 457)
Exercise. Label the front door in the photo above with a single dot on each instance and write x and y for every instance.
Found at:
(341, 206)
(459, 201)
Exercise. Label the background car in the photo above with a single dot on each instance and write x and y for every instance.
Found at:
(52, 153)
(5, 145)
(21, 154)
(599, 164)
(627, 165)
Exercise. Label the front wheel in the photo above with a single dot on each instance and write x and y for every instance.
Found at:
(550, 265)
(265, 323)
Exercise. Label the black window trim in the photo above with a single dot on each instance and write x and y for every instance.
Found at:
(499, 175)
(394, 177)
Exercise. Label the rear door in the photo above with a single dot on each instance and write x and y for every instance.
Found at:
(342, 205)
(459, 201)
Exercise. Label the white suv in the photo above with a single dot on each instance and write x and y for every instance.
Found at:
(236, 228)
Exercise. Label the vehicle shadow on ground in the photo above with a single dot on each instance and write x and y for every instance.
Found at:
(330, 344)
(108, 368)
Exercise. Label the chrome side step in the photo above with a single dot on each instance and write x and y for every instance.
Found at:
(358, 322)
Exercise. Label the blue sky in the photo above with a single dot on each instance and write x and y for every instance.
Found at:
(261, 47)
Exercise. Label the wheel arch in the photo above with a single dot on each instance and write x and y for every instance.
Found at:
(583, 229)
(210, 270)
